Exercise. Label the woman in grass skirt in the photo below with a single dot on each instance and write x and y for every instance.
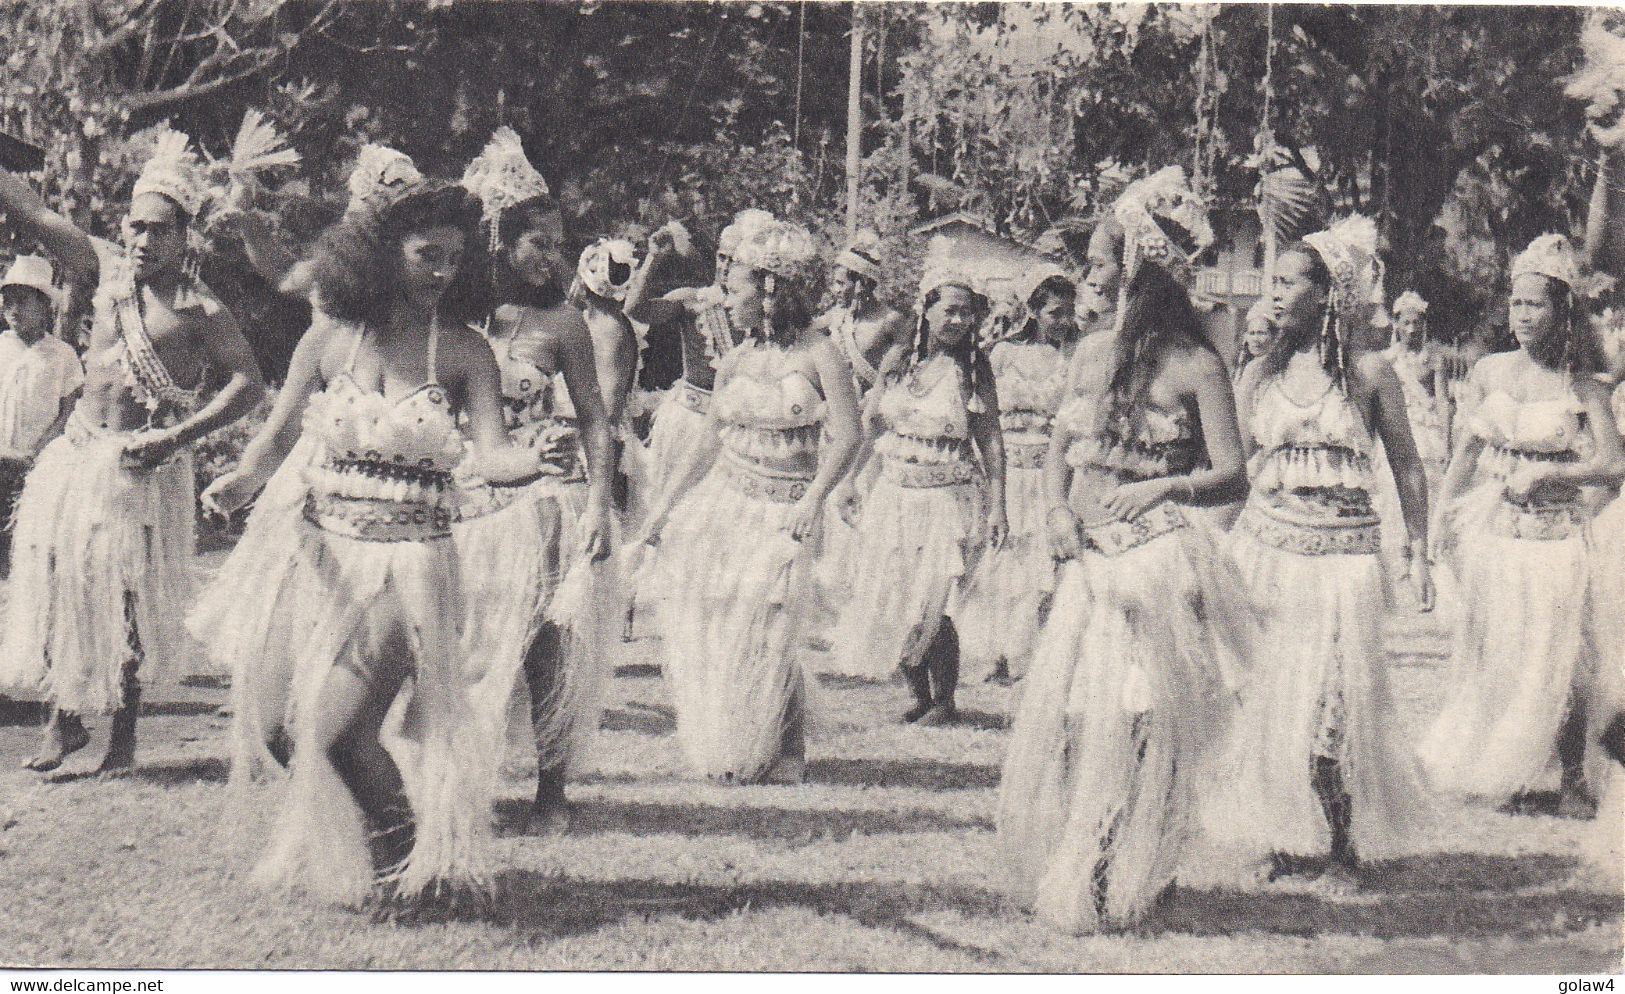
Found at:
(1011, 592)
(517, 545)
(738, 545)
(1129, 688)
(1532, 686)
(923, 524)
(1317, 773)
(375, 578)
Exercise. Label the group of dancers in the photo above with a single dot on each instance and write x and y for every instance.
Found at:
(1180, 569)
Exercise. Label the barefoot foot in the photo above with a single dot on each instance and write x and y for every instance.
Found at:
(64, 736)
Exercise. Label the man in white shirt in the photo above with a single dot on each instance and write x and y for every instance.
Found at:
(39, 376)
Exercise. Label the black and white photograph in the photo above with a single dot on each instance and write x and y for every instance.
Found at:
(809, 487)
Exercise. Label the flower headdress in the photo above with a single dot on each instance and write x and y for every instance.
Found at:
(175, 171)
(744, 224)
(595, 266)
(788, 254)
(1410, 302)
(1348, 249)
(1551, 256)
(502, 177)
(1163, 221)
(862, 255)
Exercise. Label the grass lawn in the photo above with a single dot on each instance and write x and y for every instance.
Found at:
(883, 861)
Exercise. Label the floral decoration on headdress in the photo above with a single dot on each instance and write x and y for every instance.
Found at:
(502, 177)
(1551, 256)
(379, 173)
(783, 249)
(862, 255)
(1410, 302)
(595, 267)
(1152, 212)
(943, 267)
(1349, 251)
(175, 171)
(742, 227)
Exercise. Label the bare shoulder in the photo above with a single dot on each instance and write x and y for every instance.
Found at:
(1372, 373)
(1197, 364)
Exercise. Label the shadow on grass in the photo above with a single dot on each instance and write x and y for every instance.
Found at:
(546, 906)
(1455, 895)
(179, 709)
(927, 774)
(21, 712)
(638, 670)
(795, 825)
(207, 681)
(982, 720)
(840, 681)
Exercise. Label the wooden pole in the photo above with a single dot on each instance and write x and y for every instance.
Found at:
(854, 123)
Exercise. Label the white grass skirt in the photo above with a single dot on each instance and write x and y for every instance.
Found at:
(1319, 688)
(1122, 712)
(514, 562)
(369, 606)
(1524, 649)
(243, 618)
(915, 547)
(739, 588)
(99, 555)
(1008, 595)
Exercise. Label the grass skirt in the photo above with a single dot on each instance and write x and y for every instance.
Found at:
(1010, 592)
(243, 618)
(101, 573)
(368, 606)
(738, 589)
(514, 563)
(1526, 649)
(1123, 709)
(1319, 689)
(679, 439)
(914, 548)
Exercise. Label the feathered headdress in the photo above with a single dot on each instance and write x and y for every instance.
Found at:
(1163, 221)
(743, 225)
(1551, 256)
(1410, 302)
(595, 268)
(174, 171)
(862, 255)
(502, 177)
(378, 171)
(1349, 251)
(942, 267)
(783, 249)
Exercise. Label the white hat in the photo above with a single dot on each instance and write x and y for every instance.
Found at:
(32, 271)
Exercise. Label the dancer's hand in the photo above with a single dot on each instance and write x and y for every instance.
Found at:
(1129, 500)
(806, 518)
(846, 504)
(151, 449)
(998, 528)
(228, 493)
(597, 526)
(1062, 526)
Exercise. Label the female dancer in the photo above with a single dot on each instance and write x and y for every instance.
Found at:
(1316, 764)
(1527, 661)
(923, 522)
(739, 547)
(1011, 592)
(517, 545)
(376, 580)
(1125, 698)
(245, 618)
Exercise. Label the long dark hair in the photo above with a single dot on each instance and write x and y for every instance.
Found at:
(355, 264)
(1572, 347)
(968, 354)
(1157, 316)
(507, 287)
(1334, 351)
(1050, 288)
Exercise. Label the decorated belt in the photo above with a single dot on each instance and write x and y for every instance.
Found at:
(917, 475)
(1113, 538)
(1030, 455)
(693, 398)
(372, 520)
(1329, 536)
(754, 482)
(1539, 522)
